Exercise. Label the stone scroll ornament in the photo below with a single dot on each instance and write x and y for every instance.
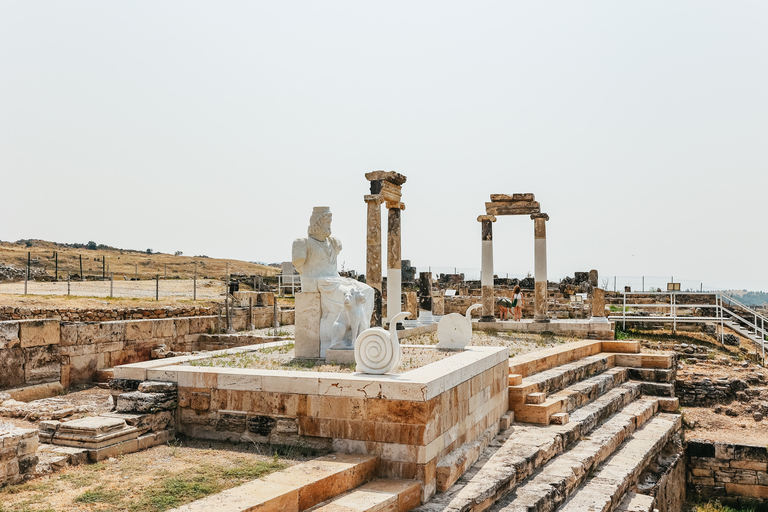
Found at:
(378, 351)
(455, 331)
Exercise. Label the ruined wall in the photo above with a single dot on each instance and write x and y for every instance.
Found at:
(733, 473)
(42, 351)
(17, 454)
(102, 315)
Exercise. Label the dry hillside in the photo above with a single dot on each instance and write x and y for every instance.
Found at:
(122, 262)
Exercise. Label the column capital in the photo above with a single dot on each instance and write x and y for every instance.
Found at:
(391, 205)
(373, 198)
(481, 218)
(535, 216)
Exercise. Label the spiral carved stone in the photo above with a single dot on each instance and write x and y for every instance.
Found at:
(378, 351)
(375, 352)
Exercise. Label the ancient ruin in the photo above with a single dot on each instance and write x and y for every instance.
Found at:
(552, 413)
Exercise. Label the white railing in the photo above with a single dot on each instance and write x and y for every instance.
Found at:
(727, 310)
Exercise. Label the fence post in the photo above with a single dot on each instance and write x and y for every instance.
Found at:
(26, 275)
(111, 284)
(157, 286)
(250, 314)
(194, 284)
(276, 322)
(69, 276)
(57, 266)
(218, 320)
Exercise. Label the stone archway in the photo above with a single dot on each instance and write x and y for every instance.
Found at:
(515, 204)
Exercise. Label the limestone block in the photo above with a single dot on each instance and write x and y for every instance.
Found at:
(9, 335)
(84, 367)
(12, 364)
(200, 401)
(150, 386)
(231, 421)
(35, 333)
(68, 333)
(181, 326)
(102, 332)
(138, 402)
(438, 305)
(201, 324)
(41, 364)
(163, 329)
(307, 334)
(138, 330)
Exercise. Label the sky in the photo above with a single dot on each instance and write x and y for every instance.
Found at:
(214, 128)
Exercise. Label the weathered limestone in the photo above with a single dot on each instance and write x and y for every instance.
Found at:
(373, 254)
(486, 278)
(598, 306)
(540, 266)
(385, 187)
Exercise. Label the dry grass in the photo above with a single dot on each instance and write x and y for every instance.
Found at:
(124, 262)
(154, 480)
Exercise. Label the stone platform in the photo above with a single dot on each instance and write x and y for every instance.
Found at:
(566, 327)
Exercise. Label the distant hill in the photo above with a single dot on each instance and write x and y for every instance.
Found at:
(749, 298)
(98, 258)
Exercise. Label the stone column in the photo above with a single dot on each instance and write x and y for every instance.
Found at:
(598, 306)
(540, 266)
(394, 276)
(373, 256)
(486, 277)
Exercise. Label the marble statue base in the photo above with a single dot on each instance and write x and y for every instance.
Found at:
(340, 356)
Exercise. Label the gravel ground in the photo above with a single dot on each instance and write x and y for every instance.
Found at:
(174, 288)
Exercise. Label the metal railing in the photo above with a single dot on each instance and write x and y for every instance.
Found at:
(727, 311)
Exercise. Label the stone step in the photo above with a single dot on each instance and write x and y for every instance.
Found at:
(560, 477)
(560, 377)
(570, 398)
(380, 495)
(634, 502)
(297, 488)
(518, 452)
(620, 471)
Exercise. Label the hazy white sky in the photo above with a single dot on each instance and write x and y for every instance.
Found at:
(215, 127)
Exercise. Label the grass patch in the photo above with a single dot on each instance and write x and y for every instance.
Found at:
(100, 495)
(715, 506)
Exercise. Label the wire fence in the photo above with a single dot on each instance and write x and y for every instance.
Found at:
(200, 289)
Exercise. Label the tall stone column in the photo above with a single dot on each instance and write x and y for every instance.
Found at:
(394, 276)
(373, 255)
(486, 277)
(598, 307)
(540, 266)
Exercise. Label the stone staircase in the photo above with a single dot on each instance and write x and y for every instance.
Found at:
(333, 483)
(587, 423)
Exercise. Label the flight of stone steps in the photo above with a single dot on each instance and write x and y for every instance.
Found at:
(584, 432)
(332, 483)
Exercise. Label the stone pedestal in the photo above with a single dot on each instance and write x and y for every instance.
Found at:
(339, 356)
(540, 266)
(598, 307)
(411, 305)
(438, 305)
(308, 314)
(486, 277)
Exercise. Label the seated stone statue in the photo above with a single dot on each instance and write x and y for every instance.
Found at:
(315, 259)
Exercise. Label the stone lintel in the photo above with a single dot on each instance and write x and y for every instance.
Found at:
(390, 176)
(505, 198)
(481, 218)
(517, 208)
(390, 192)
(370, 198)
(394, 205)
(535, 216)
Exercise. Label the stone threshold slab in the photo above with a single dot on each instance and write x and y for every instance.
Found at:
(421, 384)
(542, 360)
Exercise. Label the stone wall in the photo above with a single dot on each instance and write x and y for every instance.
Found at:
(43, 351)
(17, 454)
(733, 473)
(102, 315)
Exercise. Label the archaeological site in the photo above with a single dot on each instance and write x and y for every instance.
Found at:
(312, 388)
